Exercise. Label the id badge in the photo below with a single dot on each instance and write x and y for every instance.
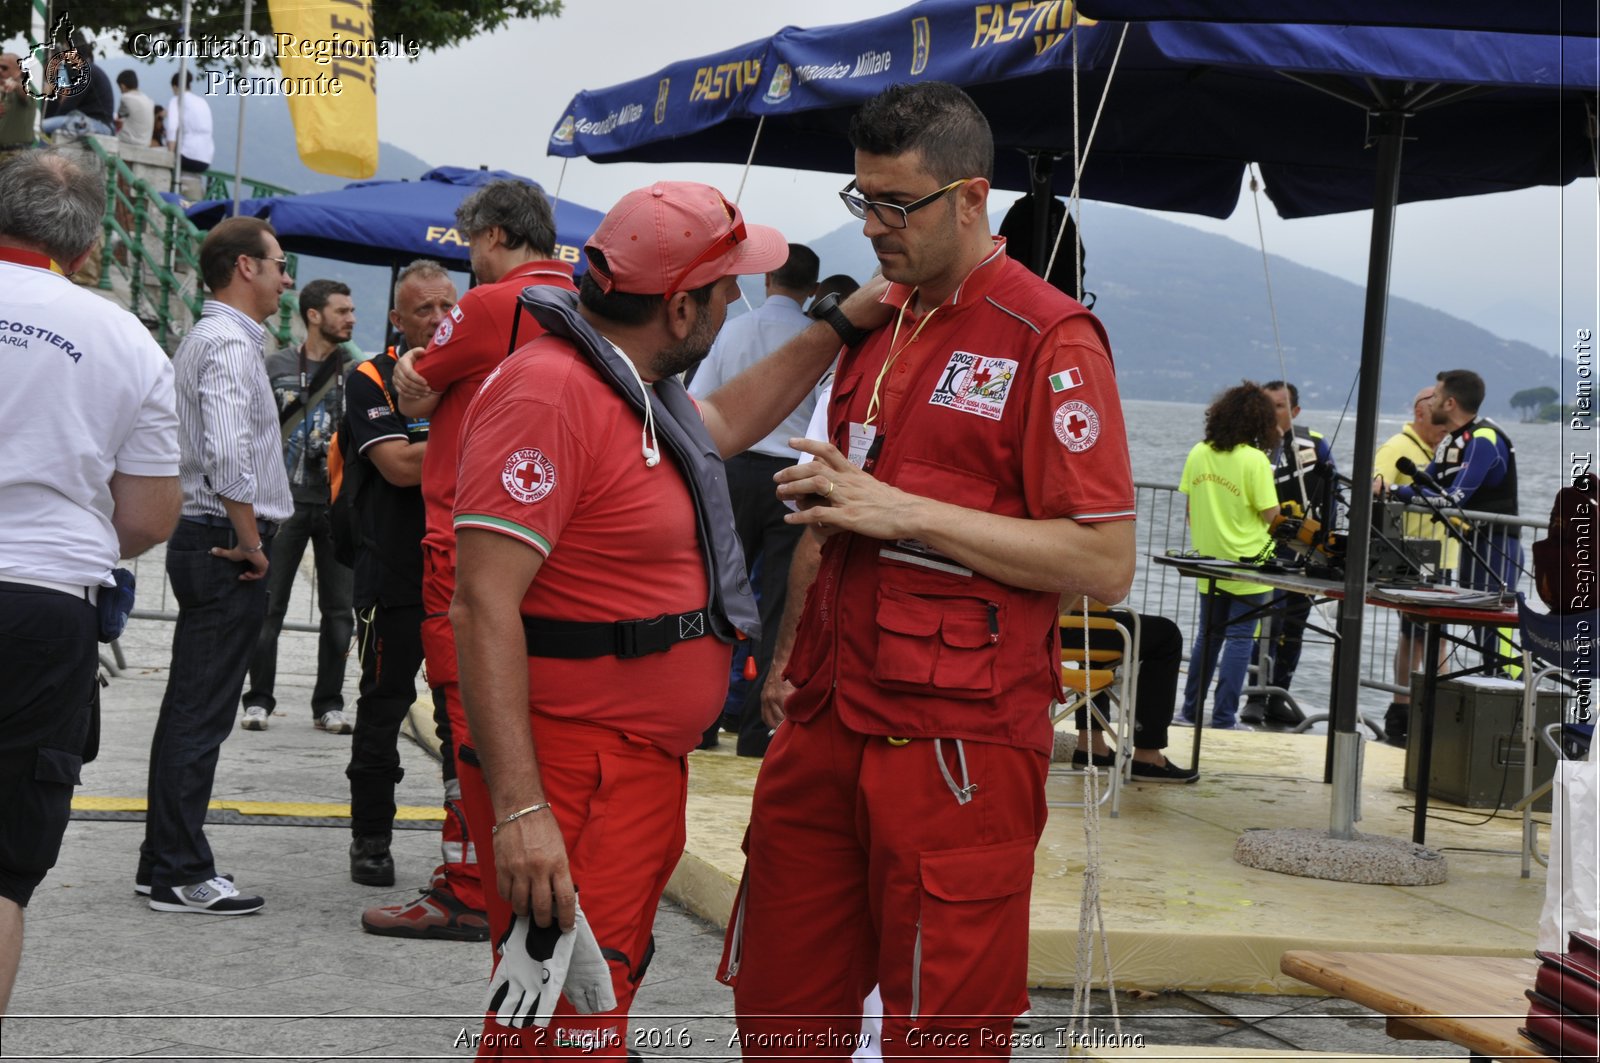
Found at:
(862, 437)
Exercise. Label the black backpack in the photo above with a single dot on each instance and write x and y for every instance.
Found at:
(1564, 560)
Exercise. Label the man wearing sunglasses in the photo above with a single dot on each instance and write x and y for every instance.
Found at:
(591, 492)
(976, 471)
(235, 494)
(511, 236)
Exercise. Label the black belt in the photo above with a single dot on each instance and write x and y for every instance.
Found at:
(575, 640)
(265, 527)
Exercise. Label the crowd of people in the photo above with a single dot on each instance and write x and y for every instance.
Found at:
(886, 491)
(90, 106)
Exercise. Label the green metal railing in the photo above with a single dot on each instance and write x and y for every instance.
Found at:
(219, 185)
(134, 212)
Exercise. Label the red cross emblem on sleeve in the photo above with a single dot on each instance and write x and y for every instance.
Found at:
(528, 476)
(1077, 425)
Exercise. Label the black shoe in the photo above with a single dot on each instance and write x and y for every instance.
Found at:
(1396, 722)
(1101, 760)
(1166, 771)
(1254, 712)
(370, 862)
(1281, 711)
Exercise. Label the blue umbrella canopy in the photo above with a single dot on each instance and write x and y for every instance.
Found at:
(1325, 111)
(1188, 105)
(390, 223)
(1569, 18)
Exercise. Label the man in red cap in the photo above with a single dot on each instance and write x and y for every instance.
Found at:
(976, 471)
(511, 235)
(590, 492)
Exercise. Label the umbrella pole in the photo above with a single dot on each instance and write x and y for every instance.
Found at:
(1388, 129)
(1040, 167)
(238, 140)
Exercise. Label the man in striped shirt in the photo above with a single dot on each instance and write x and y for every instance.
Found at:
(235, 492)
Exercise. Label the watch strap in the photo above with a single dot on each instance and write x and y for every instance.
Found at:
(828, 310)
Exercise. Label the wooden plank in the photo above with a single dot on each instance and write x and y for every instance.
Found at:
(1472, 1001)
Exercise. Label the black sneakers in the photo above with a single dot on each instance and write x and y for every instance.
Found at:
(1395, 724)
(1166, 771)
(370, 862)
(216, 896)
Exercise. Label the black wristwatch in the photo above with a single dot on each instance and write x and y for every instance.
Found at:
(827, 309)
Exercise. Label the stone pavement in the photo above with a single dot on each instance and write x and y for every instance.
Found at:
(103, 977)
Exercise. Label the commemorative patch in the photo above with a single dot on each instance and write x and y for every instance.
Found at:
(1076, 425)
(376, 412)
(528, 476)
(975, 383)
(441, 335)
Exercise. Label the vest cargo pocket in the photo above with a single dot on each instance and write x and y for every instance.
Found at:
(973, 926)
(946, 645)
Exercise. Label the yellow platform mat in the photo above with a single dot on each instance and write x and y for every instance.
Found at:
(1179, 912)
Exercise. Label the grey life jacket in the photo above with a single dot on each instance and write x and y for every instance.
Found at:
(678, 424)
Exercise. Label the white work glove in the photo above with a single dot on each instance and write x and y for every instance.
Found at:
(588, 985)
(537, 962)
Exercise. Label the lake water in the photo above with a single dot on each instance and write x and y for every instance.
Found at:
(1160, 435)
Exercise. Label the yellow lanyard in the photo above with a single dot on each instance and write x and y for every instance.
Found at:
(874, 407)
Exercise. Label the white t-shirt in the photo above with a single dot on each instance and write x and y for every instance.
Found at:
(87, 393)
(195, 119)
(137, 113)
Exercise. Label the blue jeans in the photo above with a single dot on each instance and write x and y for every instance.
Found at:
(219, 616)
(335, 589)
(75, 124)
(1234, 639)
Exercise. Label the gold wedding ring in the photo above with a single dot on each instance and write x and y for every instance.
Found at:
(829, 492)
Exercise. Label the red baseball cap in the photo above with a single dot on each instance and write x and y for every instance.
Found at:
(676, 236)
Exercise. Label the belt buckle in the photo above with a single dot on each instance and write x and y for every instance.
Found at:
(640, 638)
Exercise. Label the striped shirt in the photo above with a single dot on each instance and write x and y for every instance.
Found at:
(228, 421)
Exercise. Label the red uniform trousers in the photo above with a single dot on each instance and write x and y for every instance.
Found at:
(861, 868)
(457, 844)
(620, 802)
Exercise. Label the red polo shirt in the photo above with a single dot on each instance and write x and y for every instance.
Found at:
(467, 346)
(550, 456)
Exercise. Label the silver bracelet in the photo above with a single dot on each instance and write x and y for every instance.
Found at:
(518, 814)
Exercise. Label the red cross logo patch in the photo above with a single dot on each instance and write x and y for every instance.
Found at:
(528, 476)
(1077, 425)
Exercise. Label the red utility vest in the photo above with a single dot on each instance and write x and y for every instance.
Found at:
(913, 645)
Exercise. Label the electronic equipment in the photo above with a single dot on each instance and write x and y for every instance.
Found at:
(1477, 741)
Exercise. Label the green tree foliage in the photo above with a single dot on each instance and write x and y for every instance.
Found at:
(1532, 400)
(432, 24)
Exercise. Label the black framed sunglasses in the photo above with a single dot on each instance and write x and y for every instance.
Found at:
(892, 214)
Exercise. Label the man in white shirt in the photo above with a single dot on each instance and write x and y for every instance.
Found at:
(136, 112)
(90, 456)
(189, 134)
(758, 514)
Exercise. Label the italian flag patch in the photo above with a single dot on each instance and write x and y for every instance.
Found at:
(1072, 378)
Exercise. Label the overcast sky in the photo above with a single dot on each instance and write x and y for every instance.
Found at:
(1503, 262)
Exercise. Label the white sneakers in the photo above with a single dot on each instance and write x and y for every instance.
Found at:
(215, 896)
(334, 722)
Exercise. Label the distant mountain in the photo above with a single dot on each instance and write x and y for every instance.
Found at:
(1188, 315)
(269, 156)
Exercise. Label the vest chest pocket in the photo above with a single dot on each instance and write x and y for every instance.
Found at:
(937, 645)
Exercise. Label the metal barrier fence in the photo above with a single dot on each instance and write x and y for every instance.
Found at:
(1162, 529)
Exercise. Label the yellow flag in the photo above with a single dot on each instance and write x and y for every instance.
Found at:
(329, 60)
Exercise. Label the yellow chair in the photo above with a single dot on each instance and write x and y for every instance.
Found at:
(1087, 671)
